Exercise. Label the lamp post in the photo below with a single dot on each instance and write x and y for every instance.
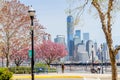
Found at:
(31, 12)
(92, 58)
(102, 57)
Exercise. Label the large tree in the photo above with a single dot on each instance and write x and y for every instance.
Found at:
(105, 10)
(15, 27)
(50, 51)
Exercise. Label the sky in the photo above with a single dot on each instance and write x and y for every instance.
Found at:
(51, 14)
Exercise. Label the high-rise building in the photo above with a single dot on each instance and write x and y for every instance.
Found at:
(70, 32)
(85, 37)
(60, 39)
(95, 45)
(76, 41)
(89, 45)
(78, 33)
(118, 55)
(82, 54)
(105, 52)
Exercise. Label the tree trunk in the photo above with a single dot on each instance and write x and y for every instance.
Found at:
(48, 65)
(7, 62)
(113, 66)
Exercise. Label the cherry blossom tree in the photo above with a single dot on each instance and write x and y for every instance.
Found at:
(19, 56)
(50, 51)
(15, 28)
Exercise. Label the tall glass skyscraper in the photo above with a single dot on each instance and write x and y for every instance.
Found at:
(70, 32)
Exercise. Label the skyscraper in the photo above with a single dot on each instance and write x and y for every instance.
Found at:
(85, 37)
(89, 45)
(61, 39)
(78, 33)
(70, 32)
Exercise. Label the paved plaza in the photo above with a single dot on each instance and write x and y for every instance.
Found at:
(73, 73)
(64, 76)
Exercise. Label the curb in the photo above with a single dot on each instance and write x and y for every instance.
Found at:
(48, 76)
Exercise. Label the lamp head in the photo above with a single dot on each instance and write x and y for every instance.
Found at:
(31, 12)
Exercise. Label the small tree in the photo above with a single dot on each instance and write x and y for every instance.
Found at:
(50, 51)
(19, 56)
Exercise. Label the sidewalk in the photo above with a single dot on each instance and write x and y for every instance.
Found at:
(64, 76)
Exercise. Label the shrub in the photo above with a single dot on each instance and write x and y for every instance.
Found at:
(42, 67)
(20, 70)
(5, 74)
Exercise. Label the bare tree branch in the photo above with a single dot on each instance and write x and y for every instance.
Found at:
(117, 49)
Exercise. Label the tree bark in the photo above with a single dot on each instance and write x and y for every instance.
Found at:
(7, 62)
(106, 26)
(113, 65)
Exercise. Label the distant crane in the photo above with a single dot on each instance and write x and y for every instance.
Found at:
(75, 11)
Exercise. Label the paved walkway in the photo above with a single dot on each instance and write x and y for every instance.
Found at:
(64, 76)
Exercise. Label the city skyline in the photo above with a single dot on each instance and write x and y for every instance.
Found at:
(51, 14)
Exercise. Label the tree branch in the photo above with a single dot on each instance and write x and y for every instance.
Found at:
(117, 49)
(110, 5)
(102, 17)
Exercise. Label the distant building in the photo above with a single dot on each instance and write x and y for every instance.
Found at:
(118, 55)
(95, 46)
(82, 54)
(70, 32)
(85, 37)
(89, 47)
(105, 52)
(60, 39)
(76, 40)
(78, 33)
(47, 37)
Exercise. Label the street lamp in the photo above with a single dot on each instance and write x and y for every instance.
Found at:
(31, 12)
(92, 58)
(102, 57)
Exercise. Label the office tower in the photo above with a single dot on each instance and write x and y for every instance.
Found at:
(60, 39)
(82, 54)
(77, 37)
(89, 45)
(85, 37)
(76, 40)
(78, 33)
(70, 32)
(105, 52)
(95, 45)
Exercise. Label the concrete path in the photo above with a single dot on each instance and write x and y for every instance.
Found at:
(64, 76)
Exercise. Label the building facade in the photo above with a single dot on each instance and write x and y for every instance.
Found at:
(70, 33)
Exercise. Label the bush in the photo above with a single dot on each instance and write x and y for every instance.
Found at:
(5, 74)
(20, 70)
(52, 70)
(41, 67)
